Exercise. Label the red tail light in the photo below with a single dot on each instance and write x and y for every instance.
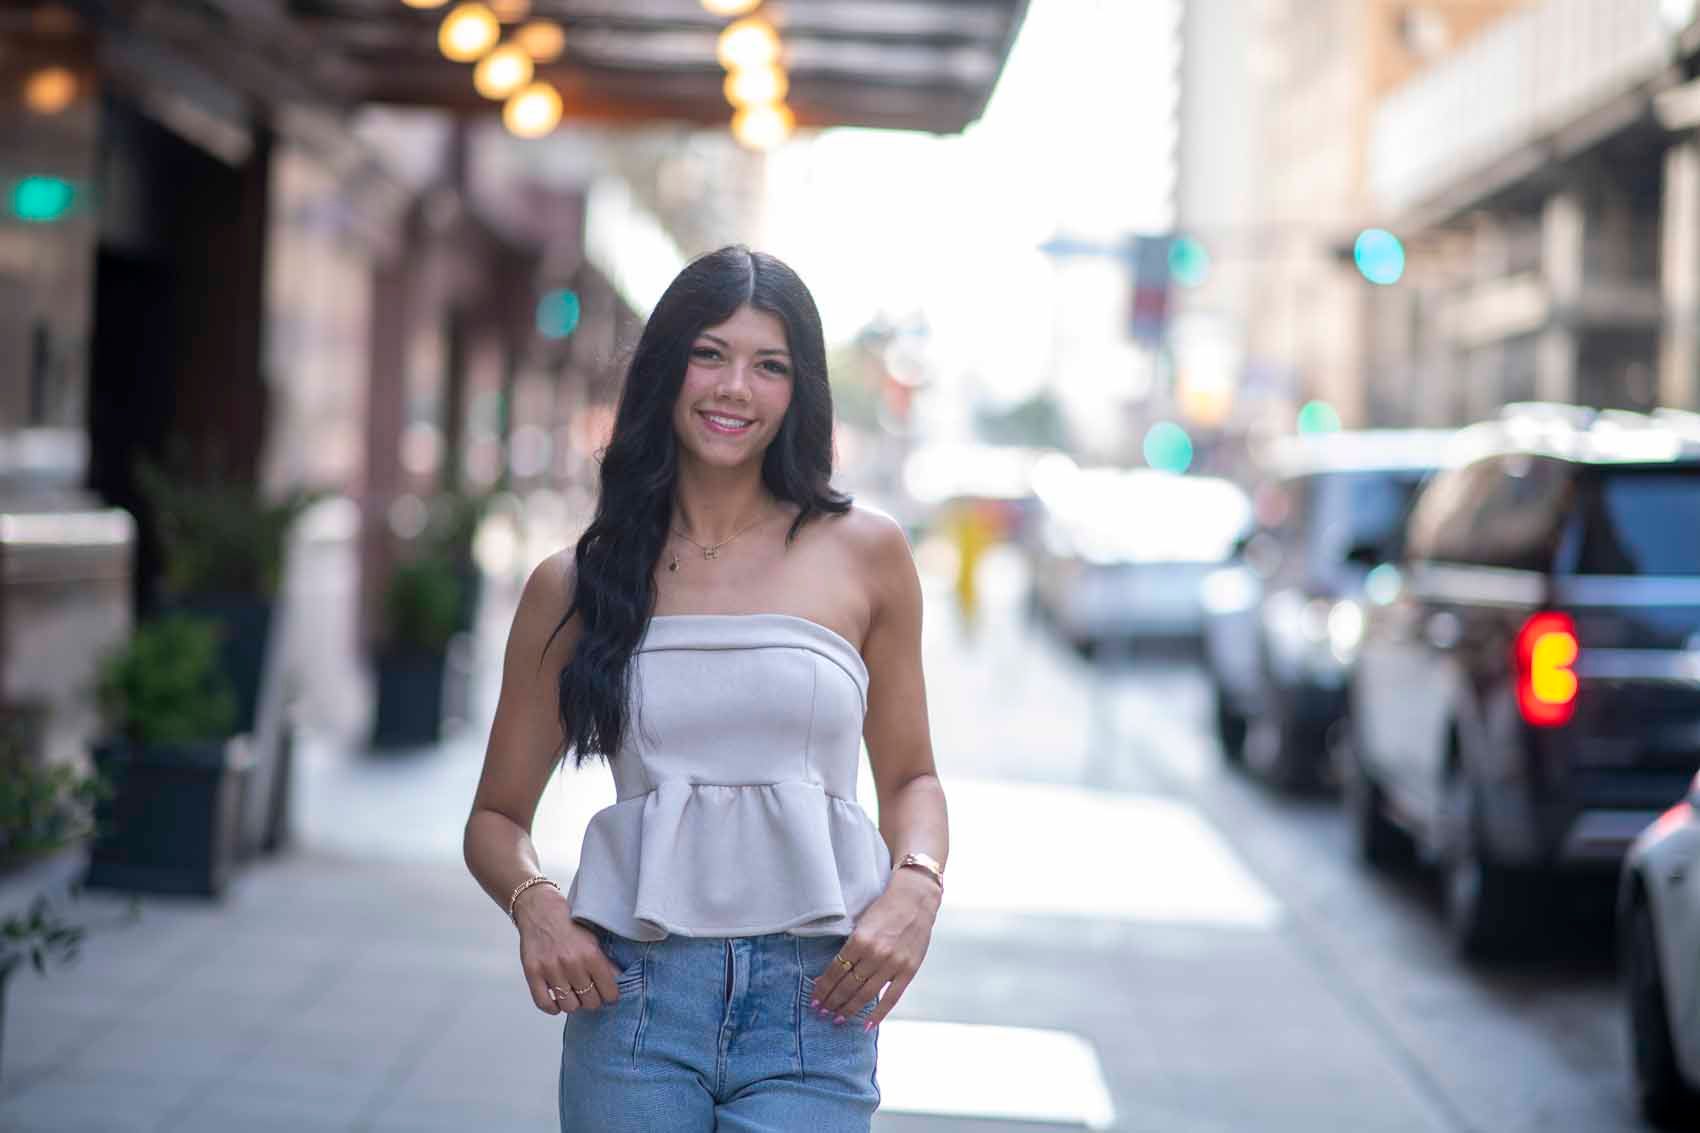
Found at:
(1546, 676)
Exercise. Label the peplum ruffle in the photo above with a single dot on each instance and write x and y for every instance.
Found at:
(705, 859)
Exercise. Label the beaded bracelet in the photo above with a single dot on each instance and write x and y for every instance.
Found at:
(513, 898)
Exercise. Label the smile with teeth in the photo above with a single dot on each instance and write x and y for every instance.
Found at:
(721, 423)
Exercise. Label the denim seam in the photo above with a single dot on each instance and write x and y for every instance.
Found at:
(797, 951)
(643, 1005)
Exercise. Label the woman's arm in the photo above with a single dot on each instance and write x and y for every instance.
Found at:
(892, 935)
(525, 742)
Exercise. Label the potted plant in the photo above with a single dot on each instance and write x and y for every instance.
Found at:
(423, 604)
(224, 548)
(449, 533)
(46, 813)
(171, 823)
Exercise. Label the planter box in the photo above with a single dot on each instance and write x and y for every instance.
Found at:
(171, 823)
(410, 699)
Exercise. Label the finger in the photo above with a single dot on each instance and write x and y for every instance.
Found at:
(607, 982)
(854, 988)
(837, 970)
(540, 996)
(588, 995)
(888, 1001)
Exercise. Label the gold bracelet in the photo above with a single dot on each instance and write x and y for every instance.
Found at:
(927, 864)
(513, 898)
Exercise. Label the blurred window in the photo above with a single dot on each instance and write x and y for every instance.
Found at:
(1440, 522)
(1519, 521)
(1642, 522)
(1359, 508)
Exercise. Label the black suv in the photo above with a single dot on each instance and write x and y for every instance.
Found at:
(1526, 696)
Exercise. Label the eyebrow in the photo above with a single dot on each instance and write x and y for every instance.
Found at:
(718, 341)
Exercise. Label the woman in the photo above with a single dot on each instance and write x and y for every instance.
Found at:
(732, 628)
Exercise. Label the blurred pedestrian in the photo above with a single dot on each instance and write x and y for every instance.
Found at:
(973, 529)
(726, 632)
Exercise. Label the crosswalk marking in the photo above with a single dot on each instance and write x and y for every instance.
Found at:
(965, 1070)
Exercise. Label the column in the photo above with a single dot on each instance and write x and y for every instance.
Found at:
(1563, 231)
(1679, 278)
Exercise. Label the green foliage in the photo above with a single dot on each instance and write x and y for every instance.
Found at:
(38, 936)
(422, 605)
(165, 686)
(220, 538)
(1037, 422)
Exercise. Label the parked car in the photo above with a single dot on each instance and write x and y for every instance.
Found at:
(1525, 698)
(1658, 921)
(1119, 555)
(1282, 622)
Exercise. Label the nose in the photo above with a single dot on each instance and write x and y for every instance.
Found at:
(734, 384)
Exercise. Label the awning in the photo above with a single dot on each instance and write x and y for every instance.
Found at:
(925, 65)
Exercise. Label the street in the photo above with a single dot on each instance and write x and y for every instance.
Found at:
(1133, 938)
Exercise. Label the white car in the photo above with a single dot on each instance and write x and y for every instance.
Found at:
(1122, 554)
(1659, 929)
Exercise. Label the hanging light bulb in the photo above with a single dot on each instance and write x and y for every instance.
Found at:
(730, 7)
(468, 32)
(50, 90)
(747, 44)
(763, 127)
(511, 11)
(543, 40)
(424, 5)
(757, 85)
(502, 72)
(533, 112)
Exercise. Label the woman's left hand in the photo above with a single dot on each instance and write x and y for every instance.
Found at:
(887, 947)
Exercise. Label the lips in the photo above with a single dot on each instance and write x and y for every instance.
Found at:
(726, 423)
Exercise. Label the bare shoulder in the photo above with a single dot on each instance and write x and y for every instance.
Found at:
(548, 591)
(878, 546)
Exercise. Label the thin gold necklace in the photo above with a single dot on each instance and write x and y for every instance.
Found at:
(710, 550)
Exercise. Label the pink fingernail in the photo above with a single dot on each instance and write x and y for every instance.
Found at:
(838, 1020)
(815, 1003)
(866, 1027)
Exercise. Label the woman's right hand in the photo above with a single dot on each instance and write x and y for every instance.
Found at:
(563, 961)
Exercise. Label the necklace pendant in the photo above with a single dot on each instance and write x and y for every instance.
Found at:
(674, 565)
(711, 552)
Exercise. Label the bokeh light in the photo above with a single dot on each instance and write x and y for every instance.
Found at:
(755, 85)
(502, 72)
(1168, 448)
(468, 32)
(748, 44)
(730, 7)
(533, 112)
(50, 90)
(543, 40)
(1189, 262)
(1380, 256)
(1318, 417)
(763, 127)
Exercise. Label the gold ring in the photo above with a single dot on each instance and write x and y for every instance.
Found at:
(582, 990)
(847, 965)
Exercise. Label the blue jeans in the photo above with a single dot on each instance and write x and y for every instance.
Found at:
(716, 1034)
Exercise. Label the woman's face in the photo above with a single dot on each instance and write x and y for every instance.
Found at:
(736, 390)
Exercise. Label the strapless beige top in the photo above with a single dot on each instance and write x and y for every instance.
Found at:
(736, 811)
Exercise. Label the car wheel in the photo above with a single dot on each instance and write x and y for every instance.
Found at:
(1666, 1098)
(1379, 842)
(1230, 729)
(1482, 902)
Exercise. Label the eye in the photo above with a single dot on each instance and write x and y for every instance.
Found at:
(708, 353)
(775, 366)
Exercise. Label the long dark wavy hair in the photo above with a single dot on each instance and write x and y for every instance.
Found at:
(614, 590)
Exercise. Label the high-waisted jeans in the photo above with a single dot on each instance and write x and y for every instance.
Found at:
(716, 1034)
